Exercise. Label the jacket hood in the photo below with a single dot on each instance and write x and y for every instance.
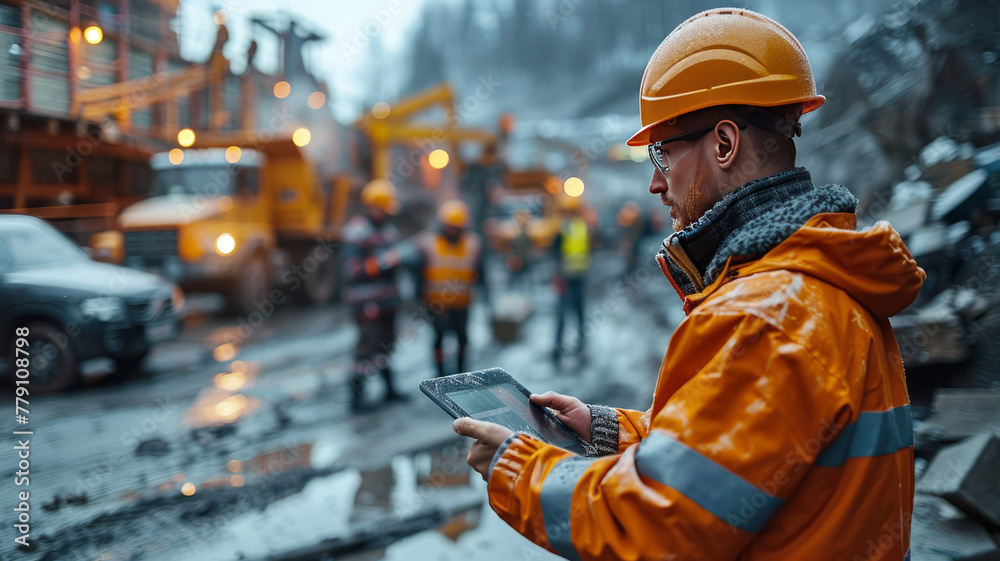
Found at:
(872, 265)
(785, 222)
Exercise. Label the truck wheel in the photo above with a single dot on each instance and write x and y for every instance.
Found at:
(52, 366)
(318, 286)
(251, 288)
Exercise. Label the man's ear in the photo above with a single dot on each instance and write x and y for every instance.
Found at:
(727, 144)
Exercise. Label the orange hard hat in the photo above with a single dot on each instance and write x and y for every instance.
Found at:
(454, 213)
(380, 194)
(628, 214)
(725, 56)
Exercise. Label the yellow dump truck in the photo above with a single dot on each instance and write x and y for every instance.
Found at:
(259, 225)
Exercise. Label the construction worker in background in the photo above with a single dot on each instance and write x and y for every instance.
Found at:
(481, 180)
(780, 426)
(370, 261)
(452, 262)
(519, 260)
(633, 227)
(573, 246)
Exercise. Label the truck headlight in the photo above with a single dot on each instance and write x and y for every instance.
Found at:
(225, 244)
(108, 308)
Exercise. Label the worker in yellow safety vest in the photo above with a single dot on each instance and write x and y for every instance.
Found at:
(452, 260)
(573, 246)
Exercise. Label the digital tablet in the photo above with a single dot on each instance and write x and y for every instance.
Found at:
(493, 395)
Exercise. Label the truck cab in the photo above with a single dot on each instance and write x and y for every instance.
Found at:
(238, 221)
(206, 225)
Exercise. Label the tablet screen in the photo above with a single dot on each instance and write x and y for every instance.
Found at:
(504, 405)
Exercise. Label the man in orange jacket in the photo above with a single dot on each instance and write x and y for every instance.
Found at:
(780, 425)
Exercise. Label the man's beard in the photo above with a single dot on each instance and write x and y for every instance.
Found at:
(667, 201)
(688, 214)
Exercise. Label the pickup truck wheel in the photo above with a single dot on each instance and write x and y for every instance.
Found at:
(52, 365)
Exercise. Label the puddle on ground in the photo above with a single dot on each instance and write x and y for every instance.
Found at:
(222, 403)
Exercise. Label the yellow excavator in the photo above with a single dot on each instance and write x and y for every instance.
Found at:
(389, 125)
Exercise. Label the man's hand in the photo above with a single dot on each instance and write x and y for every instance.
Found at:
(568, 409)
(489, 437)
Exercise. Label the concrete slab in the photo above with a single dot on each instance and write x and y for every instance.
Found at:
(940, 532)
(961, 413)
(967, 475)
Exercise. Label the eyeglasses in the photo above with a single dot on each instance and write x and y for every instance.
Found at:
(659, 156)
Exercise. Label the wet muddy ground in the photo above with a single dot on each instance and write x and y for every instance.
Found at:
(238, 442)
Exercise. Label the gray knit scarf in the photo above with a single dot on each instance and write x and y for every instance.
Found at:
(752, 220)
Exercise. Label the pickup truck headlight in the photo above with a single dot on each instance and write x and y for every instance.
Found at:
(225, 244)
(107, 308)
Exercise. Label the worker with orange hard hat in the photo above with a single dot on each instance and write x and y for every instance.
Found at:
(452, 265)
(371, 258)
(779, 427)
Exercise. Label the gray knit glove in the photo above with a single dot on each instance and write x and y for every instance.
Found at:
(603, 429)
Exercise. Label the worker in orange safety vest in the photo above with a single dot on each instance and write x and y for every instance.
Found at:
(452, 265)
(780, 425)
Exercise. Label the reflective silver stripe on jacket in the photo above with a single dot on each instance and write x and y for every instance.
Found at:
(556, 498)
(696, 476)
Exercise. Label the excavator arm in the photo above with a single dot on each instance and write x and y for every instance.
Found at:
(397, 128)
(120, 98)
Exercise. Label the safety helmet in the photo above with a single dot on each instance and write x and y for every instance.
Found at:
(454, 213)
(628, 214)
(724, 56)
(380, 194)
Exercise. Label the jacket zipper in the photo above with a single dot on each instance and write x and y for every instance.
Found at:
(678, 255)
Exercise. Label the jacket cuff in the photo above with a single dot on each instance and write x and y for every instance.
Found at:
(604, 429)
(496, 456)
(508, 465)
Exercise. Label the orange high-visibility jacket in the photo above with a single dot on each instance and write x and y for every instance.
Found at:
(780, 427)
(450, 271)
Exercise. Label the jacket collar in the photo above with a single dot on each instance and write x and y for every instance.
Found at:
(745, 225)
